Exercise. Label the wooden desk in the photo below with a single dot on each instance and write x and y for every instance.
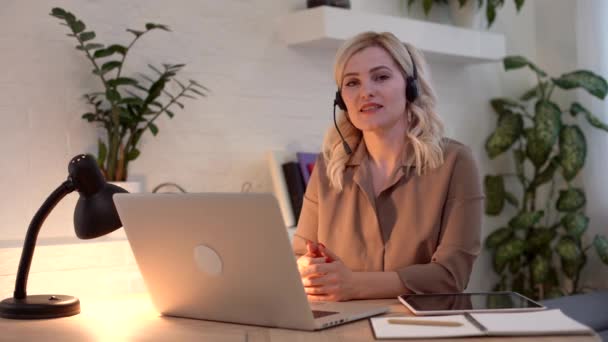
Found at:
(133, 318)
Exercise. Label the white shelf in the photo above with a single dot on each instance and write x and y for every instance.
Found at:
(328, 27)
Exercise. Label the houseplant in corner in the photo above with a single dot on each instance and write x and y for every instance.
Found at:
(127, 107)
(543, 248)
(463, 11)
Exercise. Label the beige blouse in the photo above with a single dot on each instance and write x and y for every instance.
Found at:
(426, 228)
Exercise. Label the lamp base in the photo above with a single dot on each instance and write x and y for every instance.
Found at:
(40, 307)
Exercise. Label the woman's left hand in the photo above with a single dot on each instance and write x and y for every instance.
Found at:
(331, 281)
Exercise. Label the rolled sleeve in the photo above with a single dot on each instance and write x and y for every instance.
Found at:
(460, 234)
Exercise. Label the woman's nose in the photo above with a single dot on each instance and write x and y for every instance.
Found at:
(366, 90)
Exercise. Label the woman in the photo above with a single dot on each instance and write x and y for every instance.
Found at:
(402, 212)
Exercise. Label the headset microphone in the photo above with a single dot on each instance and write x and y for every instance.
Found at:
(338, 101)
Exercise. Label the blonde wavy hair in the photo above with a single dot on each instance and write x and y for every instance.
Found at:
(425, 130)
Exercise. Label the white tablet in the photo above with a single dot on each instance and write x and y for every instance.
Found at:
(453, 303)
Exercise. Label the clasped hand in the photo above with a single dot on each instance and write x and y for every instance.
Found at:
(324, 275)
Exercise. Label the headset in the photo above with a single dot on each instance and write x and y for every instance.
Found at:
(411, 94)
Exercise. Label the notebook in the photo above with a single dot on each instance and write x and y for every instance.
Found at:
(548, 322)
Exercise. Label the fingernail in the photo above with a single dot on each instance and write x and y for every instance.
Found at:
(328, 259)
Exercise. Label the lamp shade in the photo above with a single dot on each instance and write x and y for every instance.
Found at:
(95, 214)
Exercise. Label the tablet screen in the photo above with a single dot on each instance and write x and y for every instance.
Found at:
(469, 301)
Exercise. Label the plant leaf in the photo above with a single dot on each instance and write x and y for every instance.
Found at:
(547, 124)
(193, 82)
(58, 12)
(90, 46)
(90, 117)
(110, 50)
(510, 126)
(526, 219)
(169, 113)
(113, 95)
(575, 224)
(108, 66)
(572, 151)
(567, 249)
(577, 108)
(121, 81)
(570, 200)
(507, 251)
(155, 69)
(490, 12)
(594, 84)
(152, 26)
(76, 26)
(504, 105)
(133, 154)
(540, 238)
(571, 268)
(539, 269)
(519, 4)
(102, 151)
(516, 62)
(155, 90)
(546, 175)
(498, 236)
(153, 129)
(494, 190)
(601, 247)
(89, 35)
(197, 92)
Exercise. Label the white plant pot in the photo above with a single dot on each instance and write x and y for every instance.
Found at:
(469, 16)
(131, 187)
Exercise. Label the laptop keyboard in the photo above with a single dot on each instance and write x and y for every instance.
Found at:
(319, 313)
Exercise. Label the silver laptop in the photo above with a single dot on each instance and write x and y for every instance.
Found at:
(224, 257)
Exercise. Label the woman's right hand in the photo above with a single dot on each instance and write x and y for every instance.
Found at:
(313, 256)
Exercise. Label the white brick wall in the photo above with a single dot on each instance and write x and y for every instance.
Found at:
(264, 96)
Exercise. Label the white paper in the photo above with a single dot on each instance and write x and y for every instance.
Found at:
(530, 323)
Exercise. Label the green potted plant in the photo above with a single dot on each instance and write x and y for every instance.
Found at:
(127, 107)
(543, 248)
(463, 11)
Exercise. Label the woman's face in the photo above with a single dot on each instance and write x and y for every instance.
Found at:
(373, 89)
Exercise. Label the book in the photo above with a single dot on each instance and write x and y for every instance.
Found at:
(307, 162)
(276, 159)
(295, 187)
(548, 322)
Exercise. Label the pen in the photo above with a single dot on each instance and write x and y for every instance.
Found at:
(424, 322)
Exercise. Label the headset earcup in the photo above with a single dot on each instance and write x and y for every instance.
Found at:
(338, 101)
(411, 91)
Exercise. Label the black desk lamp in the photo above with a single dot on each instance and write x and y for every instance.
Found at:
(94, 216)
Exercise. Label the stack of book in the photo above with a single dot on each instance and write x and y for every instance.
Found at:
(290, 174)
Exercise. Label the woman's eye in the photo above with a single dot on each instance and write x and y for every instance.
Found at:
(351, 83)
(382, 77)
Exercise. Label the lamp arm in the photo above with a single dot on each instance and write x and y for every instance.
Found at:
(32, 234)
